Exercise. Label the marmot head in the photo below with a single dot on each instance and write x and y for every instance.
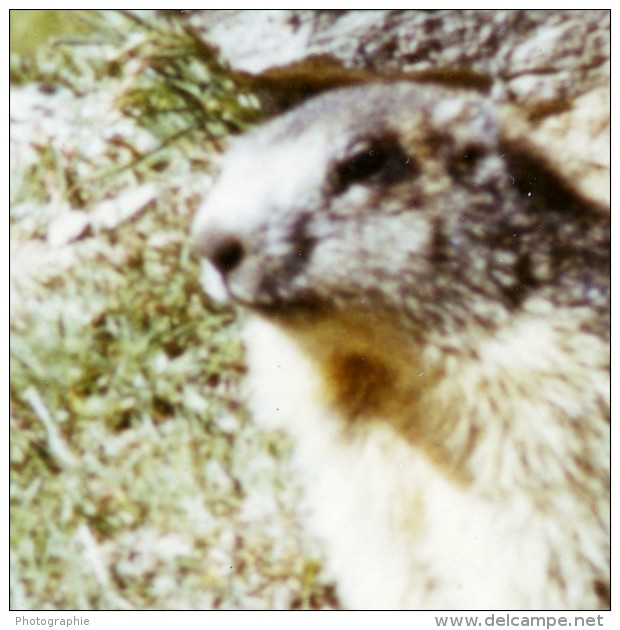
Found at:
(397, 200)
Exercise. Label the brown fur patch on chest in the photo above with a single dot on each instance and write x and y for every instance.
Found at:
(369, 370)
(371, 374)
(363, 387)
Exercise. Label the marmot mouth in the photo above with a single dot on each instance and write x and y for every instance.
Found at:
(272, 301)
(289, 310)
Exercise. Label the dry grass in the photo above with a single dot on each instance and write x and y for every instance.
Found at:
(137, 479)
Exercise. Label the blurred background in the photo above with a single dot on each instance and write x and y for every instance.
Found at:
(137, 480)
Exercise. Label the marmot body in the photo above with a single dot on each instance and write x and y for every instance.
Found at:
(428, 316)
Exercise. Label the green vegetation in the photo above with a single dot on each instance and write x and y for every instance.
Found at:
(137, 480)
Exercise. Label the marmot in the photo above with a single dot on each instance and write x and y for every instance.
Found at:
(428, 316)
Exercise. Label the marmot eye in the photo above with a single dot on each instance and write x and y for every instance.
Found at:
(466, 161)
(383, 161)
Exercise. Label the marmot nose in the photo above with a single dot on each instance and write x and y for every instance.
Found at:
(223, 250)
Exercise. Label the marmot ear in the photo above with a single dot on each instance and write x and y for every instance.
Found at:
(538, 182)
(536, 165)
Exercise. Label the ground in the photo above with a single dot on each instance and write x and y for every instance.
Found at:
(138, 481)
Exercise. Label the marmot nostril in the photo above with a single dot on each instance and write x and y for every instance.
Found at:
(225, 252)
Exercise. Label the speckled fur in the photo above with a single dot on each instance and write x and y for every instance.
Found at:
(428, 316)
